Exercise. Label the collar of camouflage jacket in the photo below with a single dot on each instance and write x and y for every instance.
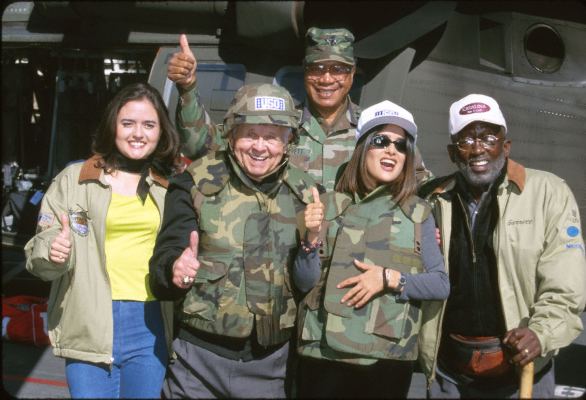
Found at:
(352, 114)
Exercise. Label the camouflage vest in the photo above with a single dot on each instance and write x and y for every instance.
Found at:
(247, 241)
(375, 231)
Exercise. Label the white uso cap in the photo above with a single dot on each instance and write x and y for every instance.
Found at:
(475, 107)
(383, 113)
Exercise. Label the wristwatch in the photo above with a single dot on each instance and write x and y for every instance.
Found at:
(401, 284)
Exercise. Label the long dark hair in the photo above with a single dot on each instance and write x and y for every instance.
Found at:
(165, 158)
(355, 178)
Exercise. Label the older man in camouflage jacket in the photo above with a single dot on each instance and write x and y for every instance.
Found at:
(223, 253)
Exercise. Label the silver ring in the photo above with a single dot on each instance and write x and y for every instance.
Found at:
(187, 280)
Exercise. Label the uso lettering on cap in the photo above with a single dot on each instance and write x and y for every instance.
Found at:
(385, 112)
(269, 103)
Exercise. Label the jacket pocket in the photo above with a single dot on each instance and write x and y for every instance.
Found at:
(203, 300)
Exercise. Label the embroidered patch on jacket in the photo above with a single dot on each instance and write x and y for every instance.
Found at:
(78, 221)
(44, 221)
(573, 231)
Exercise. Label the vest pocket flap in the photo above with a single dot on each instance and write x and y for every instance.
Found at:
(211, 270)
(387, 317)
(349, 246)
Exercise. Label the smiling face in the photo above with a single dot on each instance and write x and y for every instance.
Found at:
(137, 129)
(259, 149)
(327, 91)
(480, 164)
(384, 165)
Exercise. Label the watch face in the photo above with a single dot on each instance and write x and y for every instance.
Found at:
(402, 280)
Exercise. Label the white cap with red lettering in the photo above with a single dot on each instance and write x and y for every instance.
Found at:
(475, 107)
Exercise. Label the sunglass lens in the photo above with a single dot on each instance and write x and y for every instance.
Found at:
(401, 146)
(380, 141)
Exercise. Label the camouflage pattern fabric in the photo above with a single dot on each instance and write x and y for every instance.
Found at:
(329, 45)
(376, 231)
(262, 104)
(320, 153)
(248, 239)
(252, 104)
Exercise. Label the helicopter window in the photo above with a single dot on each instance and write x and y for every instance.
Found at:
(291, 78)
(544, 48)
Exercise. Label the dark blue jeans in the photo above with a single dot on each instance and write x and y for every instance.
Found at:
(140, 357)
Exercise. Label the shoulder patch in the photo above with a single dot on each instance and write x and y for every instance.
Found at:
(44, 221)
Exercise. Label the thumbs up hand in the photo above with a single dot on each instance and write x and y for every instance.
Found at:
(314, 217)
(61, 245)
(181, 66)
(186, 266)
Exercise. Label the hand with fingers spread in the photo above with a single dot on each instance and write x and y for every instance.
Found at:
(366, 285)
(314, 217)
(61, 245)
(181, 66)
(524, 344)
(186, 266)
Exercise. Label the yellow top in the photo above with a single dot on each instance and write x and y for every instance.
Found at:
(131, 230)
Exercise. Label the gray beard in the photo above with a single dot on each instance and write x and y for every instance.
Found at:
(483, 179)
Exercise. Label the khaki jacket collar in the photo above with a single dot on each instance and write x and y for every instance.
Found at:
(515, 174)
(89, 171)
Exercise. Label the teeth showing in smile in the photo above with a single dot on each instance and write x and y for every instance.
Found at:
(136, 145)
(387, 163)
(478, 163)
(257, 158)
(325, 92)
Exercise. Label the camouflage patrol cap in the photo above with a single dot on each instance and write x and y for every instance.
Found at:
(329, 45)
(261, 103)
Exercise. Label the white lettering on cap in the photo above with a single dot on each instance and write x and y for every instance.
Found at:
(385, 112)
(269, 103)
(474, 108)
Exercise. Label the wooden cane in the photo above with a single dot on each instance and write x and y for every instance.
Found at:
(526, 381)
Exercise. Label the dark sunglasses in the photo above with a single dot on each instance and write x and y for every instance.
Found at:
(382, 142)
(333, 69)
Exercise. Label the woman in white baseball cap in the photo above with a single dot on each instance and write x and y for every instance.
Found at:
(369, 258)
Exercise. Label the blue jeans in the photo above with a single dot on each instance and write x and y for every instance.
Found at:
(140, 357)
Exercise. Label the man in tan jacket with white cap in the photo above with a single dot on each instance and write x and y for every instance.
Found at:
(515, 254)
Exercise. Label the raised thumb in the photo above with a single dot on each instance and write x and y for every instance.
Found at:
(64, 225)
(194, 242)
(315, 194)
(184, 44)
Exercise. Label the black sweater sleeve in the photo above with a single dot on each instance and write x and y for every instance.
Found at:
(179, 220)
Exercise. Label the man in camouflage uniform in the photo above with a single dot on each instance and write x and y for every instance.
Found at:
(328, 123)
(223, 253)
